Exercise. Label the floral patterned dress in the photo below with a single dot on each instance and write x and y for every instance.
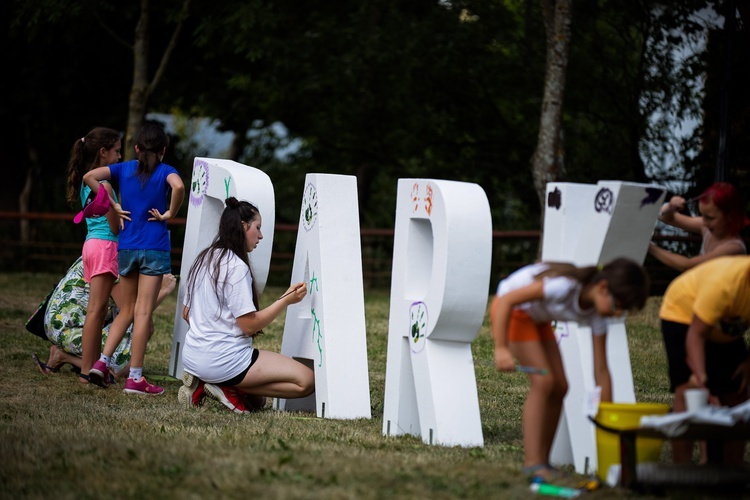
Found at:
(66, 313)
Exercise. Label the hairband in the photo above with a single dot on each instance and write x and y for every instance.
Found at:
(83, 139)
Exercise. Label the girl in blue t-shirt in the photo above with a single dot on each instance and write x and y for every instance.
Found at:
(144, 252)
(101, 146)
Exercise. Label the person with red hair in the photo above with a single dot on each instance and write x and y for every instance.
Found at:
(721, 220)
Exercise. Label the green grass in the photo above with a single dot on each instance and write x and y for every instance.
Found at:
(61, 439)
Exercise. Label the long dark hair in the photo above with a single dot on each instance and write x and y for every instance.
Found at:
(627, 280)
(84, 155)
(151, 141)
(231, 238)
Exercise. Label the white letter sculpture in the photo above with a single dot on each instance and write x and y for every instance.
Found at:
(326, 330)
(212, 182)
(588, 224)
(441, 268)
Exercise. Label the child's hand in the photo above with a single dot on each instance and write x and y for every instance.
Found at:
(504, 361)
(123, 214)
(158, 216)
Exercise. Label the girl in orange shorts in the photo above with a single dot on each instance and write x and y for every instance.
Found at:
(521, 316)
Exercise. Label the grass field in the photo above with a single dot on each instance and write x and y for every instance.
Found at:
(61, 439)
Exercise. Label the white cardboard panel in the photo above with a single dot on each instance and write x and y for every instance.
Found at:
(588, 225)
(326, 330)
(214, 180)
(440, 278)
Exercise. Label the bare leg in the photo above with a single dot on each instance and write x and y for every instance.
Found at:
(58, 357)
(278, 376)
(168, 283)
(682, 449)
(125, 295)
(556, 401)
(91, 337)
(543, 406)
(145, 303)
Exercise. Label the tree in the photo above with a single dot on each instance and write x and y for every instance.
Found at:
(88, 90)
(142, 88)
(548, 160)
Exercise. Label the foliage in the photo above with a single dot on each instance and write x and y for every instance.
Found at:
(377, 89)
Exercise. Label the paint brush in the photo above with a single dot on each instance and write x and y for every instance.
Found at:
(531, 369)
(519, 368)
(290, 292)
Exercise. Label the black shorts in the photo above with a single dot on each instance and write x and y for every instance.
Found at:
(239, 378)
(722, 360)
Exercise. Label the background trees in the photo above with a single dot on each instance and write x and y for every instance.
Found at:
(380, 89)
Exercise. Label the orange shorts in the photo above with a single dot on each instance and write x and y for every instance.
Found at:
(523, 329)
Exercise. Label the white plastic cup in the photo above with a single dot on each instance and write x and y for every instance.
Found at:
(695, 399)
(613, 475)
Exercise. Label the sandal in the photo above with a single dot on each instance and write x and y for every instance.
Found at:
(93, 380)
(546, 473)
(43, 367)
(539, 473)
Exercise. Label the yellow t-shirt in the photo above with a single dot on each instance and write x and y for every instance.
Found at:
(717, 291)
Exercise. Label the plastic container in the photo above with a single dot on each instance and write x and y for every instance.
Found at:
(625, 416)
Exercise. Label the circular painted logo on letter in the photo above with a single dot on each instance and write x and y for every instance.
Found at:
(417, 326)
(309, 207)
(199, 183)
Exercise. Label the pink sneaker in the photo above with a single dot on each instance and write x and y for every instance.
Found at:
(142, 387)
(192, 392)
(99, 369)
(229, 396)
(99, 373)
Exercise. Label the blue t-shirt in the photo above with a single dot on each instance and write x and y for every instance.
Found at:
(97, 227)
(138, 198)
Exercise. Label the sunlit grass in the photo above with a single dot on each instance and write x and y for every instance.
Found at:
(61, 439)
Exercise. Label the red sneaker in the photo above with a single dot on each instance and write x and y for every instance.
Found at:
(142, 387)
(229, 396)
(192, 392)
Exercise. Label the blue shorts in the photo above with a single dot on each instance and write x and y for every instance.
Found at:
(147, 262)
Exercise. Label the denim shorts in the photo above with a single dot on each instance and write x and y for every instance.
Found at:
(147, 262)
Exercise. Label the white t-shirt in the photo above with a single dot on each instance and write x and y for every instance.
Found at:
(215, 347)
(561, 295)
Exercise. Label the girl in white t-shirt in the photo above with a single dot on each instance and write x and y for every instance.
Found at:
(221, 307)
(522, 312)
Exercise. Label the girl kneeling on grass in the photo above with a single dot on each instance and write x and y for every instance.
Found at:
(221, 307)
(526, 303)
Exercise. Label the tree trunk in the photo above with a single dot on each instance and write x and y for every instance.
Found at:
(239, 141)
(547, 163)
(24, 198)
(143, 88)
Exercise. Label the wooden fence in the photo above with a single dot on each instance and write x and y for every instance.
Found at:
(55, 242)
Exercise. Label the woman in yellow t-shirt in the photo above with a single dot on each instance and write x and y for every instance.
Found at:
(704, 315)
